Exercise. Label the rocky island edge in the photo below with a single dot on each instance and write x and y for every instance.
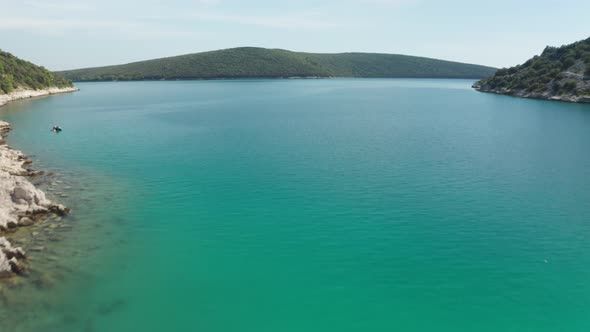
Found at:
(558, 74)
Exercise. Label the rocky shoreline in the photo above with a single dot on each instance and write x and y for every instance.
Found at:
(533, 95)
(25, 93)
(21, 203)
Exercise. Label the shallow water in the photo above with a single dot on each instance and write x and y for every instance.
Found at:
(307, 205)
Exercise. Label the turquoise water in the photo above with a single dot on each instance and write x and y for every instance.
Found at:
(311, 205)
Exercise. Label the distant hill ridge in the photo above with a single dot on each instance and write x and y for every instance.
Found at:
(252, 62)
(559, 73)
(16, 74)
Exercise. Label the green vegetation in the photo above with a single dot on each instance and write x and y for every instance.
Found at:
(16, 73)
(251, 62)
(558, 71)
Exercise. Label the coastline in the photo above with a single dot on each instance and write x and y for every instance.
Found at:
(25, 93)
(533, 95)
(21, 203)
(278, 78)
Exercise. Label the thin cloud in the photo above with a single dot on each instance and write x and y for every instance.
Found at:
(53, 27)
(33, 23)
(388, 2)
(59, 5)
(291, 21)
(306, 20)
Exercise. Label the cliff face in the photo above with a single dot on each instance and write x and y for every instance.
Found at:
(561, 74)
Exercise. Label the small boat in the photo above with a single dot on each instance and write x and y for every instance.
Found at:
(56, 129)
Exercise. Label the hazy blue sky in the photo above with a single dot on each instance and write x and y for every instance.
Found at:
(65, 34)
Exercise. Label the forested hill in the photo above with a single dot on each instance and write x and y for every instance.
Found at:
(16, 73)
(559, 73)
(251, 62)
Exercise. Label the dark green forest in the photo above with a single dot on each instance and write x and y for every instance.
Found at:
(561, 70)
(251, 62)
(16, 73)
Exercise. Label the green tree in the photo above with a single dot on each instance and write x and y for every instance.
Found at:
(6, 83)
(25, 74)
(568, 62)
(569, 86)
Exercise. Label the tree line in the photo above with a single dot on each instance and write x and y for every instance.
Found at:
(17, 73)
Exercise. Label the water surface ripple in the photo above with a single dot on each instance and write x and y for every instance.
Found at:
(311, 205)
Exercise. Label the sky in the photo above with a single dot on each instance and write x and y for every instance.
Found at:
(68, 34)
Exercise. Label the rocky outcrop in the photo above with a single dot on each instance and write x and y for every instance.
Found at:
(25, 93)
(578, 84)
(558, 74)
(546, 95)
(21, 203)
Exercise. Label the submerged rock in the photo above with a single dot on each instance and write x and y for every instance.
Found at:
(111, 307)
(9, 258)
(26, 221)
(44, 281)
(16, 266)
(59, 209)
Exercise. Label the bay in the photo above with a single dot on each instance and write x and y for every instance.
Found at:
(309, 205)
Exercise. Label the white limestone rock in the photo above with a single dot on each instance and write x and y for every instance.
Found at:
(18, 196)
(27, 93)
(9, 258)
